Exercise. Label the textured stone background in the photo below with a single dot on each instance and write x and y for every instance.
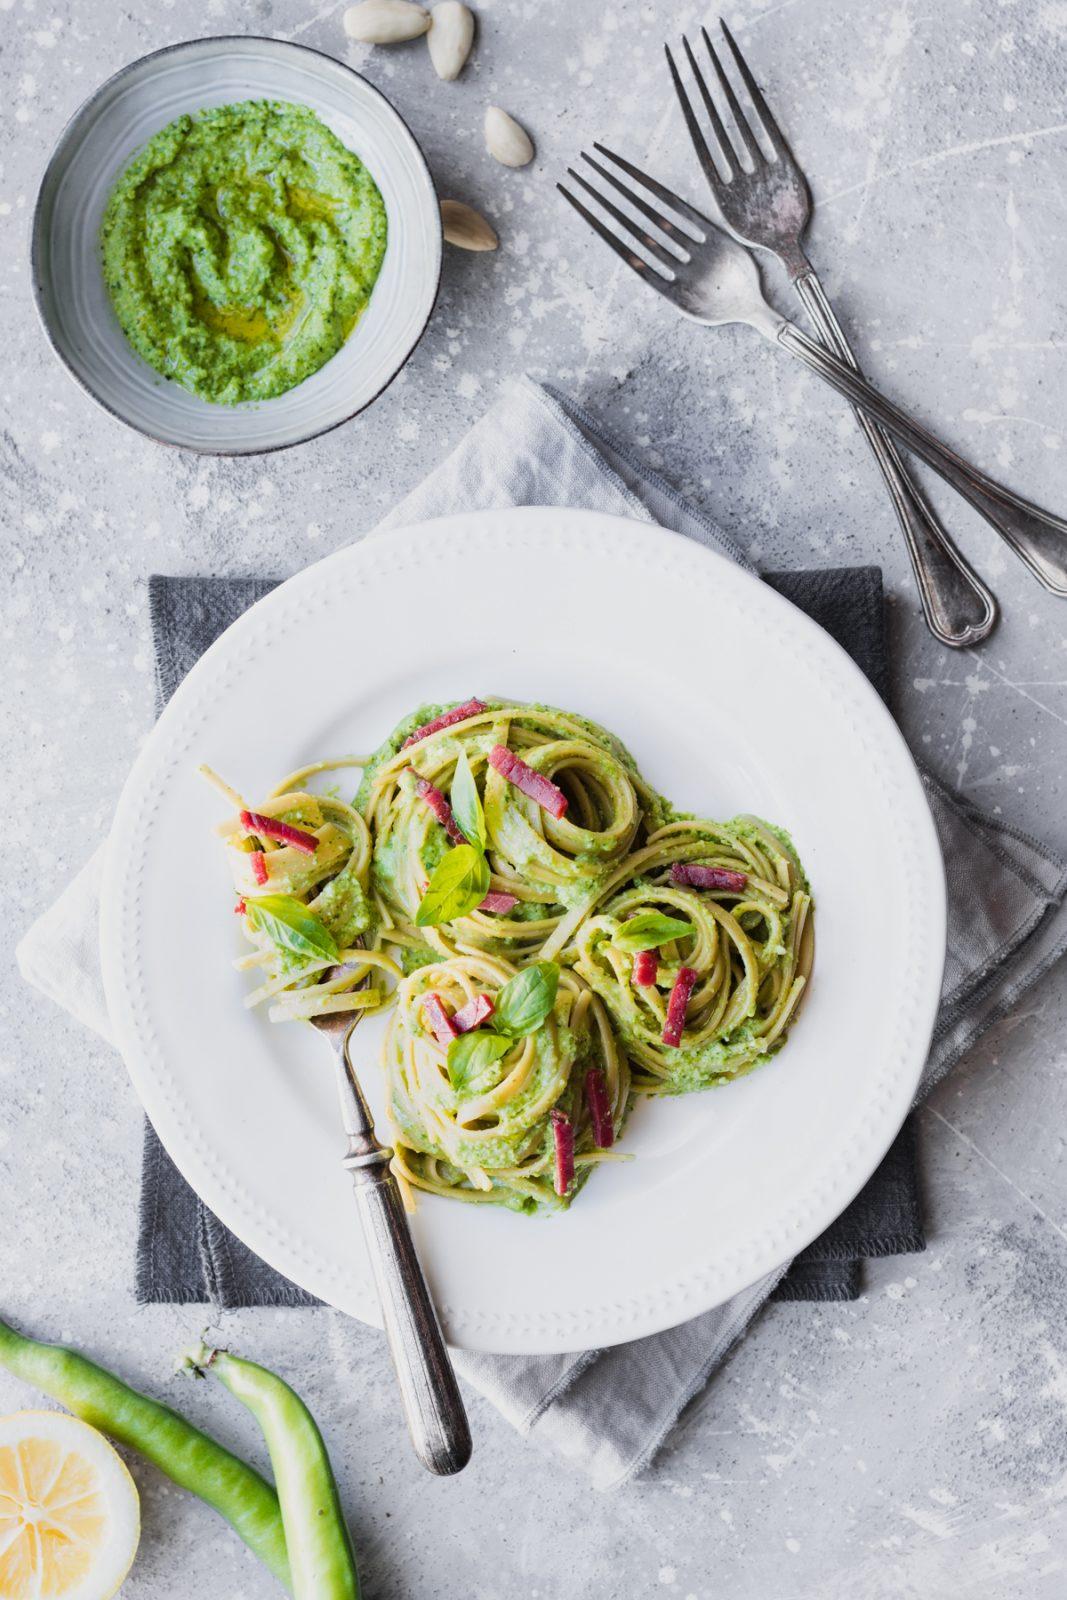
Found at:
(912, 1444)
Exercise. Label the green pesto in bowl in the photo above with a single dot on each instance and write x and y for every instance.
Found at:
(240, 249)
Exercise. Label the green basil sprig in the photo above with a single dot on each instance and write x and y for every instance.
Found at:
(526, 1000)
(648, 930)
(459, 882)
(471, 1053)
(291, 927)
(466, 805)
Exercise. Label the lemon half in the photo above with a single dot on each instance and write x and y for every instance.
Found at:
(70, 1517)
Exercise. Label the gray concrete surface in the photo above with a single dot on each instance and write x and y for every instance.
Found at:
(912, 1444)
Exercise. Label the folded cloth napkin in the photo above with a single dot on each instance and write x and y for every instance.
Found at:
(607, 1411)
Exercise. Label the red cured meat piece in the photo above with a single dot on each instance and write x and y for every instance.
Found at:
(694, 877)
(527, 781)
(683, 988)
(447, 719)
(282, 832)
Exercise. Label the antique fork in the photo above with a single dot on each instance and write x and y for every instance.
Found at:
(709, 277)
(429, 1393)
(769, 207)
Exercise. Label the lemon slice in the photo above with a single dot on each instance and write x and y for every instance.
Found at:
(70, 1518)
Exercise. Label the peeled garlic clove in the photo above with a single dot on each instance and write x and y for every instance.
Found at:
(465, 228)
(450, 38)
(385, 21)
(506, 140)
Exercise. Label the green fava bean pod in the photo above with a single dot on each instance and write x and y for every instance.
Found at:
(190, 1458)
(321, 1557)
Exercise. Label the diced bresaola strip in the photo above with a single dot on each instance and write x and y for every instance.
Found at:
(281, 832)
(695, 877)
(442, 1026)
(259, 866)
(473, 1014)
(500, 903)
(563, 1139)
(530, 783)
(441, 809)
(646, 968)
(676, 1005)
(447, 719)
(596, 1098)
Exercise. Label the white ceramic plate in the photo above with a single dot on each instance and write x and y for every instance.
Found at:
(92, 153)
(731, 700)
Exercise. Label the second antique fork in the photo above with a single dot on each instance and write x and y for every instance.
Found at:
(767, 204)
(429, 1392)
(707, 276)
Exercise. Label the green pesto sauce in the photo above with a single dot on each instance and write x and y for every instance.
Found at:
(412, 957)
(389, 856)
(342, 907)
(241, 247)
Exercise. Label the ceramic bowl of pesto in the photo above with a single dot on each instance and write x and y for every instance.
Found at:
(87, 298)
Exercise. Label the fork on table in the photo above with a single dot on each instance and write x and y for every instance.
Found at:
(429, 1393)
(712, 279)
(707, 276)
(766, 203)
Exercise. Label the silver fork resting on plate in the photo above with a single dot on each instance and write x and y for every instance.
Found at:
(707, 276)
(429, 1392)
(769, 207)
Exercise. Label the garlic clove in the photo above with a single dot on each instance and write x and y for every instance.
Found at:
(450, 38)
(506, 140)
(385, 21)
(465, 227)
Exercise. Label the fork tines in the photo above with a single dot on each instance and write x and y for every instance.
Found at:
(720, 169)
(666, 247)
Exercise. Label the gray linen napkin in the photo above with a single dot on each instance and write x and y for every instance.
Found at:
(609, 1411)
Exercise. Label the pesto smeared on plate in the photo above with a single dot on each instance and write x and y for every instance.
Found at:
(241, 247)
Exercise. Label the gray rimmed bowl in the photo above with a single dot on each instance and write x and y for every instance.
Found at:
(94, 149)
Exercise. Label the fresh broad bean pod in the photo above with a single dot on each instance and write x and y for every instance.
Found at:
(321, 1557)
(188, 1457)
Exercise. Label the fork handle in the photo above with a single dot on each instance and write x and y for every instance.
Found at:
(429, 1392)
(1038, 538)
(959, 609)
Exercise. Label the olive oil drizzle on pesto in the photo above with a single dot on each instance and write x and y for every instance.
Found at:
(241, 247)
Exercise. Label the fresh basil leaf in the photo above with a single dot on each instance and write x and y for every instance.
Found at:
(526, 999)
(460, 881)
(648, 930)
(466, 806)
(291, 927)
(471, 1053)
